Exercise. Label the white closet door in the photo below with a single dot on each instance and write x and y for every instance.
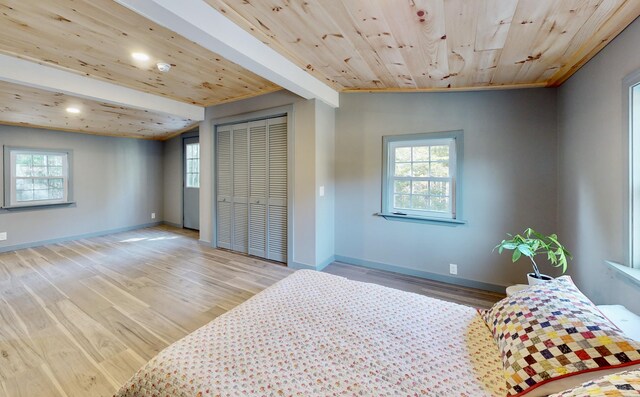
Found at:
(240, 149)
(258, 188)
(277, 182)
(225, 187)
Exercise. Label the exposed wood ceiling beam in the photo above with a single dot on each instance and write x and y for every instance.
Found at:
(198, 21)
(35, 75)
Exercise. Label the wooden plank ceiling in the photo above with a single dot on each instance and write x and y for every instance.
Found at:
(25, 106)
(96, 38)
(435, 44)
(352, 45)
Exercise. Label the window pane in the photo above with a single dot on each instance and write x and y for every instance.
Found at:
(196, 150)
(420, 202)
(38, 171)
(23, 170)
(421, 169)
(54, 160)
(439, 153)
(24, 184)
(440, 203)
(39, 159)
(440, 169)
(403, 154)
(41, 194)
(55, 183)
(196, 180)
(439, 188)
(195, 165)
(421, 153)
(402, 201)
(24, 159)
(26, 195)
(403, 169)
(402, 187)
(189, 151)
(55, 171)
(420, 187)
(189, 166)
(56, 194)
(41, 184)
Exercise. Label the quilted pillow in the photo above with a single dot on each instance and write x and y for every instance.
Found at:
(550, 332)
(623, 384)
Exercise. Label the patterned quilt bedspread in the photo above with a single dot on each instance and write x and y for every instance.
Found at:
(315, 334)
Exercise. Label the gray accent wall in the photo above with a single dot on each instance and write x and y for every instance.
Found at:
(510, 163)
(117, 185)
(173, 179)
(593, 170)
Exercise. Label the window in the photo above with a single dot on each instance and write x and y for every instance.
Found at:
(421, 176)
(36, 177)
(193, 165)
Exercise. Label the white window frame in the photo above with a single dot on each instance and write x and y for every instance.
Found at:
(456, 150)
(186, 168)
(10, 194)
(632, 123)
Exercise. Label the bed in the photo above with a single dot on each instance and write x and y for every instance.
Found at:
(315, 334)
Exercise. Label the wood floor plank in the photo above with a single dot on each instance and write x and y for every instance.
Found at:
(32, 382)
(75, 373)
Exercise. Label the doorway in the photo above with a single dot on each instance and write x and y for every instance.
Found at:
(191, 183)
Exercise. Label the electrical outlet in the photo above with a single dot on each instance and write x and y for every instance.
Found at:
(153, 215)
(3, 236)
(453, 268)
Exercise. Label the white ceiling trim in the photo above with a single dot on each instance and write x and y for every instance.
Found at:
(31, 74)
(199, 22)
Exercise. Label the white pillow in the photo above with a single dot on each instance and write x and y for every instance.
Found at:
(628, 322)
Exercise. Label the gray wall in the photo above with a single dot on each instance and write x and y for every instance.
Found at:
(325, 176)
(172, 177)
(509, 179)
(593, 169)
(117, 184)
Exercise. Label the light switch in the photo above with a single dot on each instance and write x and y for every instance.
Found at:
(3, 236)
(321, 191)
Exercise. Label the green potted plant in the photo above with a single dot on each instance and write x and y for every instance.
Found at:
(532, 243)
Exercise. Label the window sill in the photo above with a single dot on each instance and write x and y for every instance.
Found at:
(632, 274)
(17, 208)
(419, 219)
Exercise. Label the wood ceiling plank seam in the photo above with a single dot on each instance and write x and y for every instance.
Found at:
(557, 30)
(322, 33)
(103, 21)
(526, 23)
(447, 89)
(460, 27)
(493, 27)
(609, 20)
(363, 44)
(486, 65)
(422, 39)
(377, 34)
(249, 27)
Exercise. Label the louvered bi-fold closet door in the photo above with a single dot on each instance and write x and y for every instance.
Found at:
(225, 188)
(240, 150)
(277, 184)
(258, 188)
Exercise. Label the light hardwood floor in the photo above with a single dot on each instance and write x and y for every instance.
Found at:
(80, 317)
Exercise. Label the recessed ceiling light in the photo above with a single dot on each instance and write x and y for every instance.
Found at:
(73, 110)
(140, 56)
(163, 67)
